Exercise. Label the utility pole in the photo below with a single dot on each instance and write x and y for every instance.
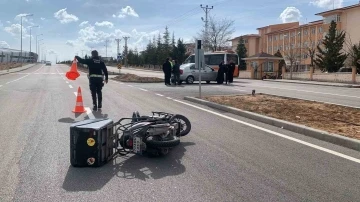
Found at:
(118, 46)
(126, 49)
(106, 45)
(207, 10)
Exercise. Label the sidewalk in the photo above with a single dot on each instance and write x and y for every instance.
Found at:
(348, 85)
(3, 72)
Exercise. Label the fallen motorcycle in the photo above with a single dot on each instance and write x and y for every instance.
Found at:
(94, 142)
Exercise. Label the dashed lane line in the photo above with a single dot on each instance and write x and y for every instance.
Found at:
(70, 86)
(159, 94)
(143, 89)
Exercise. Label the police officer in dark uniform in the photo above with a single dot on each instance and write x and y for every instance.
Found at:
(96, 70)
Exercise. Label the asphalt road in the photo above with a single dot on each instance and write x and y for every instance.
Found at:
(224, 158)
(337, 95)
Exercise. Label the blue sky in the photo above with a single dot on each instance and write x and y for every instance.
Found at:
(70, 26)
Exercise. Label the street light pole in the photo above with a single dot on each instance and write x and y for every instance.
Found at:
(21, 17)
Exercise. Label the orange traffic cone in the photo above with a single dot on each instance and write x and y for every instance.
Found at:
(79, 107)
(73, 73)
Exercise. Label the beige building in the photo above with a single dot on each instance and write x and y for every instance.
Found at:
(294, 40)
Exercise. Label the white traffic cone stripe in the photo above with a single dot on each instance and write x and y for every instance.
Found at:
(79, 104)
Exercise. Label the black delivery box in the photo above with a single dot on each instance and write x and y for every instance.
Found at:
(91, 142)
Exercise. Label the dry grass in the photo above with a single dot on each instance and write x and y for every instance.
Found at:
(7, 66)
(336, 119)
(137, 79)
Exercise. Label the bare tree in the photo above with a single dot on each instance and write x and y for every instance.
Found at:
(353, 51)
(219, 33)
(292, 56)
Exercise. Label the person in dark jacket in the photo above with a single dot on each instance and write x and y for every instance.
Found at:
(167, 71)
(231, 69)
(176, 72)
(96, 70)
(220, 74)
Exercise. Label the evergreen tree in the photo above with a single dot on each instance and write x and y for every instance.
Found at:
(86, 56)
(159, 51)
(241, 51)
(173, 40)
(181, 51)
(330, 58)
(356, 56)
(166, 46)
(281, 62)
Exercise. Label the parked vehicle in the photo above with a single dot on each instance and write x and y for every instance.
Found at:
(190, 74)
(48, 63)
(213, 59)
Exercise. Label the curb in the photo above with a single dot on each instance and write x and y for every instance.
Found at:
(17, 70)
(301, 129)
(318, 84)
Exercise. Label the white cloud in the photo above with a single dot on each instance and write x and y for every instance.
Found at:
(327, 4)
(65, 17)
(127, 11)
(15, 30)
(105, 24)
(84, 23)
(3, 44)
(290, 14)
(1, 24)
(42, 18)
(8, 22)
(70, 43)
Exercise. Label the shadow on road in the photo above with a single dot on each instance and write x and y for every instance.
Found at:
(128, 167)
(67, 120)
(99, 115)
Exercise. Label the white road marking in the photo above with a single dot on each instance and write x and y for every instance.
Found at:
(0, 85)
(143, 89)
(70, 86)
(169, 98)
(158, 94)
(17, 79)
(66, 82)
(38, 69)
(36, 73)
(239, 90)
(89, 113)
(307, 91)
(275, 133)
(75, 94)
(130, 85)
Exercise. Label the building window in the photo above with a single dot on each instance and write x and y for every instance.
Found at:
(320, 30)
(281, 36)
(305, 32)
(306, 44)
(313, 30)
(280, 48)
(270, 38)
(269, 67)
(293, 34)
(275, 37)
(305, 56)
(275, 48)
(270, 49)
(245, 41)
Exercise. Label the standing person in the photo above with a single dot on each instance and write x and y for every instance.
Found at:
(226, 70)
(176, 72)
(231, 70)
(220, 74)
(96, 70)
(167, 71)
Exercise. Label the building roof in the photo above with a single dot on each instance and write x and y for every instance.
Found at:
(283, 30)
(288, 23)
(263, 56)
(246, 35)
(339, 9)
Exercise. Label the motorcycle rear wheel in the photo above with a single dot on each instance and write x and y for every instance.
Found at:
(180, 118)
